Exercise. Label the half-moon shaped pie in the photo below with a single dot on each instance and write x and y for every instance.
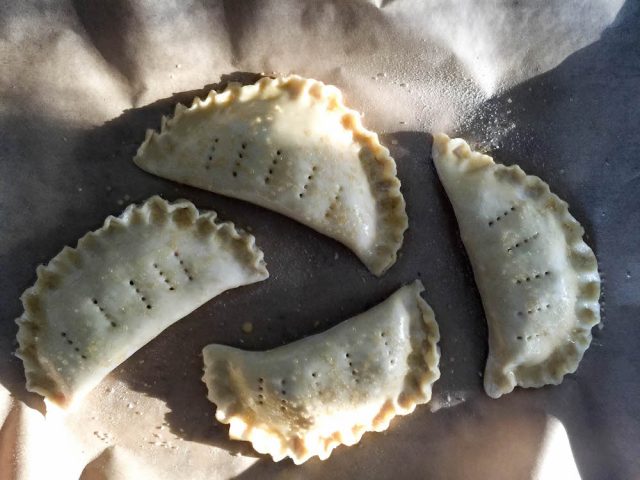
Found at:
(93, 306)
(292, 146)
(538, 279)
(305, 398)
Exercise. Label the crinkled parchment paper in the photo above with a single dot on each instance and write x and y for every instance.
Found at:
(550, 85)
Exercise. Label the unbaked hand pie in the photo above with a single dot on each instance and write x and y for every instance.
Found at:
(538, 279)
(305, 398)
(93, 306)
(289, 145)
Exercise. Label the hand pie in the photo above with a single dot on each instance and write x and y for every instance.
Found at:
(538, 280)
(305, 398)
(93, 306)
(289, 145)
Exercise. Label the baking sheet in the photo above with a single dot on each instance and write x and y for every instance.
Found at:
(551, 86)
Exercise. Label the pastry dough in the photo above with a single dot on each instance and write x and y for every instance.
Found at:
(290, 145)
(306, 398)
(538, 280)
(93, 306)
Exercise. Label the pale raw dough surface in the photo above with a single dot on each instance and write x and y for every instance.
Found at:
(81, 83)
(291, 145)
(306, 398)
(94, 306)
(539, 281)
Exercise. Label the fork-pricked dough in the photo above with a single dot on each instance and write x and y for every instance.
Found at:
(538, 280)
(290, 145)
(93, 306)
(305, 398)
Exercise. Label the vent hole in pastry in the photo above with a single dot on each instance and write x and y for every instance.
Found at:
(314, 374)
(77, 349)
(392, 361)
(500, 217)
(95, 302)
(261, 380)
(244, 145)
(163, 277)
(301, 195)
(215, 140)
(84, 357)
(239, 154)
(234, 173)
(64, 334)
(283, 392)
(536, 276)
(521, 242)
(518, 337)
(114, 324)
(278, 152)
(132, 283)
(184, 269)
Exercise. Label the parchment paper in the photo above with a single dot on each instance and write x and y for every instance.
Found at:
(552, 86)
